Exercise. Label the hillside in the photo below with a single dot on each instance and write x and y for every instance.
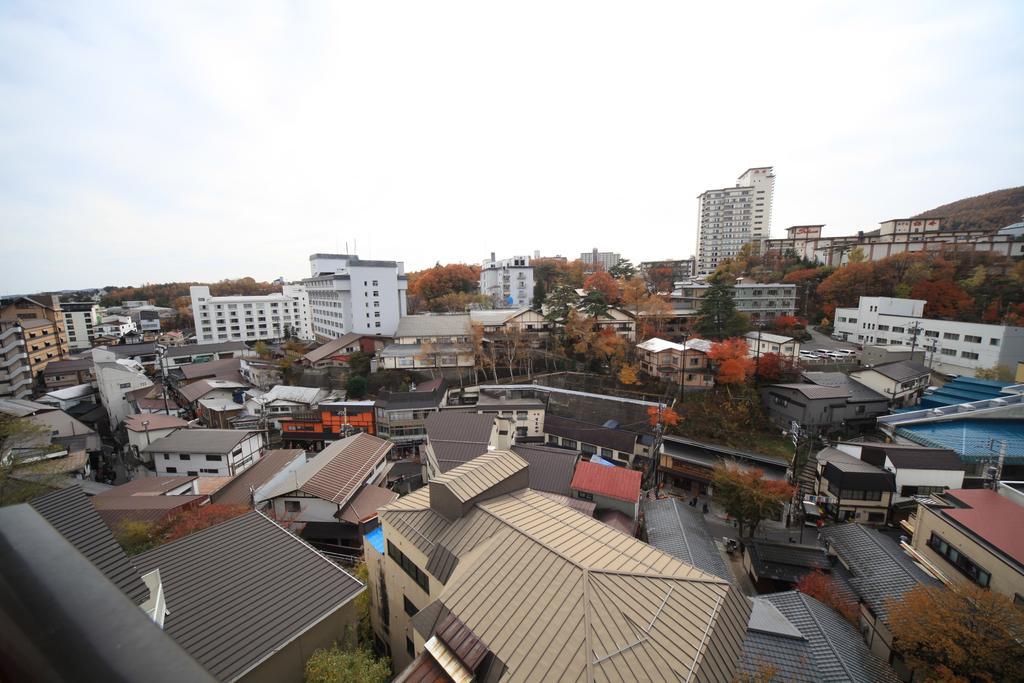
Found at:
(989, 211)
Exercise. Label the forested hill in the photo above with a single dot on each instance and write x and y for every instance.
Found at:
(989, 211)
(167, 293)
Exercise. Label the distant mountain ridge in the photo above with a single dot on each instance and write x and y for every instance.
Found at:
(989, 211)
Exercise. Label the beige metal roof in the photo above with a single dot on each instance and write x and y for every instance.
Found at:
(468, 481)
(557, 595)
(337, 471)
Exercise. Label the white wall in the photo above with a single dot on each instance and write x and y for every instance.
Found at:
(951, 479)
(114, 380)
(214, 315)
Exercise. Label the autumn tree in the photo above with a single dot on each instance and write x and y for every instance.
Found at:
(846, 285)
(427, 287)
(735, 366)
(600, 281)
(346, 665)
(945, 299)
(663, 415)
(660, 279)
(965, 634)
(771, 367)
(623, 270)
(560, 301)
(20, 435)
(649, 310)
(823, 589)
(628, 375)
(747, 496)
(718, 316)
(190, 521)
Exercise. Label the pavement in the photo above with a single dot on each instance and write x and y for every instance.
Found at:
(823, 341)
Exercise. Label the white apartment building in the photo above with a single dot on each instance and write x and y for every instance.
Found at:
(951, 347)
(250, 318)
(348, 294)
(80, 320)
(509, 282)
(115, 377)
(605, 259)
(115, 326)
(760, 301)
(730, 217)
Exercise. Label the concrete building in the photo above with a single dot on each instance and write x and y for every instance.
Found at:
(251, 318)
(348, 294)
(682, 364)
(919, 471)
(509, 282)
(400, 416)
(760, 301)
(115, 378)
(115, 326)
(853, 490)
(902, 382)
(731, 217)
(32, 335)
(762, 343)
(952, 347)
(429, 341)
(476, 545)
(143, 430)
(205, 452)
(80, 320)
(896, 236)
(600, 260)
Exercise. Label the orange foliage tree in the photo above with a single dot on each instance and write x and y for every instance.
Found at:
(771, 367)
(946, 299)
(823, 589)
(655, 415)
(190, 521)
(747, 496)
(428, 286)
(601, 281)
(967, 634)
(845, 287)
(735, 366)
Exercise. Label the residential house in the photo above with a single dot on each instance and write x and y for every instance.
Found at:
(190, 396)
(283, 401)
(186, 354)
(273, 466)
(337, 352)
(332, 500)
(330, 421)
(854, 490)
(58, 445)
(400, 416)
(246, 620)
(919, 471)
(260, 373)
(614, 490)
(973, 536)
(454, 438)
(527, 412)
(774, 566)
(902, 382)
(863, 404)
(687, 467)
(70, 372)
(115, 326)
(442, 564)
(800, 640)
(70, 397)
(511, 321)
(115, 378)
(813, 407)
(682, 364)
(762, 343)
(152, 399)
(145, 354)
(879, 572)
(680, 530)
(205, 452)
(429, 341)
(144, 429)
(226, 368)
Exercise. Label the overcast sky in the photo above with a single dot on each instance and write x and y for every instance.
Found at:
(178, 141)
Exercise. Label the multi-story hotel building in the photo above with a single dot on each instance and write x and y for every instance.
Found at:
(509, 282)
(31, 335)
(348, 294)
(80, 320)
(950, 346)
(250, 318)
(730, 217)
(760, 301)
(600, 260)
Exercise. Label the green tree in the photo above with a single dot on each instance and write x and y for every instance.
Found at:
(718, 316)
(135, 536)
(355, 387)
(623, 270)
(559, 302)
(359, 363)
(20, 483)
(337, 665)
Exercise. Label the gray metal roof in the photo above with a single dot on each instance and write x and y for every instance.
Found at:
(680, 530)
(428, 325)
(838, 652)
(199, 441)
(879, 569)
(773, 643)
(457, 437)
(239, 591)
(74, 517)
(858, 392)
(901, 370)
(551, 469)
(201, 349)
(814, 391)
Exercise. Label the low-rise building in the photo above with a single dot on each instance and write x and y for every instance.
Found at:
(70, 397)
(68, 373)
(527, 412)
(813, 407)
(686, 466)
(337, 352)
(509, 282)
(680, 530)
(974, 536)
(863, 404)
(115, 326)
(400, 416)
(115, 379)
(511, 321)
(854, 490)
(191, 396)
(903, 382)
(187, 354)
(918, 471)
(477, 544)
(330, 421)
(610, 488)
(283, 402)
(774, 566)
(143, 430)
(205, 452)
(952, 347)
(150, 500)
(763, 343)
(683, 364)
(275, 465)
(759, 301)
(429, 341)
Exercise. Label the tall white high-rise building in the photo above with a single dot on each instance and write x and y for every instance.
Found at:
(80, 320)
(730, 217)
(251, 318)
(509, 282)
(348, 294)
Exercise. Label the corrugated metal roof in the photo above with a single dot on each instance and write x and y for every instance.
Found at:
(116, 510)
(428, 325)
(338, 471)
(199, 441)
(457, 437)
(680, 530)
(584, 432)
(73, 516)
(814, 390)
(237, 492)
(468, 481)
(613, 482)
(364, 505)
(148, 486)
(332, 347)
(239, 591)
(551, 469)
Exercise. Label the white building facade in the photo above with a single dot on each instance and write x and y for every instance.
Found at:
(603, 260)
(349, 294)
(509, 282)
(80, 320)
(730, 217)
(251, 318)
(115, 377)
(115, 326)
(950, 346)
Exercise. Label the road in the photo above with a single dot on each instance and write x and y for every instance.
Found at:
(821, 341)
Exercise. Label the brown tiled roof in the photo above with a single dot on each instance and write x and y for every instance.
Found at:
(236, 492)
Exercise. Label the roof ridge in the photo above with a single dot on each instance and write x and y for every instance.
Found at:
(885, 550)
(824, 634)
(302, 541)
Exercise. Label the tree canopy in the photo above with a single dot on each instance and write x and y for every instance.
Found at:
(747, 496)
(718, 316)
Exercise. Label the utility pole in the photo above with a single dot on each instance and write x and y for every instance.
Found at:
(915, 329)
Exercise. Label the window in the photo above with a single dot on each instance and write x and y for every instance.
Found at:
(583, 495)
(126, 385)
(209, 471)
(948, 352)
(214, 458)
(410, 608)
(607, 453)
(966, 567)
(172, 470)
(409, 567)
(292, 506)
(972, 339)
(931, 333)
(993, 342)
(185, 456)
(969, 355)
(166, 457)
(568, 443)
(409, 647)
(951, 335)
(921, 490)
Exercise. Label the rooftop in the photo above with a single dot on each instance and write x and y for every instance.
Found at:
(240, 591)
(225, 368)
(857, 392)
(338, 471)
(901, 371)
(68, 365)
(332, 347)
(148, 486)
(133, 423)
(429, 325)
(239, 490)
(768, 337)
(202, 349)
(815, 391)
(116, 510)
(786, 562)
(456, 437)
(199, 441)
(917, 457)
(611, 482)
(970, 438)
(680, 530)
(993, 518)
(551, 469)
(195, 391)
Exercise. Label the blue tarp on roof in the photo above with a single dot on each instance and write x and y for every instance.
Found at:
(971, 439)
(376, 539)
(598, 460)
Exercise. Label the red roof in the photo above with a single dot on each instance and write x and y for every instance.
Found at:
(994, 518)
(613, 482)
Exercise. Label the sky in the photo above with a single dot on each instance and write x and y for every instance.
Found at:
(170, 141)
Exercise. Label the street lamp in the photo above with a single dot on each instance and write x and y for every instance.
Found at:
(145, 425)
